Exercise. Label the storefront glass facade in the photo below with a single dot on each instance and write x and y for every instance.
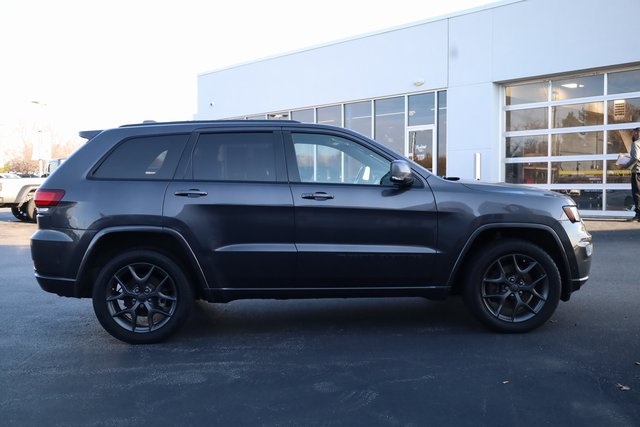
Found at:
(565, 135)
(393, 121)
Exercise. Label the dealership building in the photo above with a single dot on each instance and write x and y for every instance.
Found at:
(535, 92)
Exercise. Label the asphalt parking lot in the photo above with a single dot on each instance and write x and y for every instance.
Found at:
(367, 362)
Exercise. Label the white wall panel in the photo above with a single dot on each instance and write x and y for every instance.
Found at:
(542, 37)
(376, 65)
(472, 128)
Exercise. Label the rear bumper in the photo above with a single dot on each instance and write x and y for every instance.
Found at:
(57, 285)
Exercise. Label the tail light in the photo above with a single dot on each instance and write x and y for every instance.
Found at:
(46, 198)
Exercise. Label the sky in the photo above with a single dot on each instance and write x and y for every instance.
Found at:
(94, 64)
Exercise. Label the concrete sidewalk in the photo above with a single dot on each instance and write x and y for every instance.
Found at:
(610, 224)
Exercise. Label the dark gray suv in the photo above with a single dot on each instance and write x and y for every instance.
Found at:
(144, 219)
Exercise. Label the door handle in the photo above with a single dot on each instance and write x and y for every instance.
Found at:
(317, 196)
(190, 193)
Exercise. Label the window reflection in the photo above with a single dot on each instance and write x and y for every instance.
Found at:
(616, 175)
(527, 146)
(577, 172)
(624, 81)
(526, 173)
(304, 116)
(357, 117)
(422, 109)
(389, 127)
(278, 116)
(569, 144)
(577, 87)
(533, 118)
(624, 110)
(619, 141)
(576, 115)
(619, 200)
(585, 199)
(331, 115)
(331, 159)
(532, 92)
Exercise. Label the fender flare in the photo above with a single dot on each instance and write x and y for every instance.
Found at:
(95, 240)
(563, 267)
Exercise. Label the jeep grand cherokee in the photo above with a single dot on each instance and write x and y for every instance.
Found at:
(144, 219)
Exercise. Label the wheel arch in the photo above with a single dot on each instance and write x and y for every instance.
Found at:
(539, 234)
(23, 195)
(109, 242)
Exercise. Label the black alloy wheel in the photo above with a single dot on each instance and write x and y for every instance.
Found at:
(513, 286)
(142, 297)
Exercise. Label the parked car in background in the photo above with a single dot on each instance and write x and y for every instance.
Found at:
(144, 219)
(17, 193)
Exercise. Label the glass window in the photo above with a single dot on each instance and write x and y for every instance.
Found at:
(616, 175)
(357, 117)
(619, 141)
(153, 157)
(619, 200)
(526, 173)
(571, 144)
(389, 126)
(532, 92)
(585, 199)
(331, 159)
(624, 110)
(577, 87)
(442, 133)
(532, 118)
(527, 146)
(256, 117)
(422, 109)
(331, 115)
(576, 115)
(304, 116)
(577, 172)
(235, 157)
(624, 81)
(278, 116)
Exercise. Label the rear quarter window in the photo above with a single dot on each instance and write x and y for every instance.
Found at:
(149, 158)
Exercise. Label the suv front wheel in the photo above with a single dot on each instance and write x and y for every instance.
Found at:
(142, 297)
(512, 286)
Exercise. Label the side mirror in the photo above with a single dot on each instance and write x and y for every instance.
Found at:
(401, 173)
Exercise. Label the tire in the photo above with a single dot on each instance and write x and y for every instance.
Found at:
(18, 213)
(142, 297)
(30, 211)
(512, 286)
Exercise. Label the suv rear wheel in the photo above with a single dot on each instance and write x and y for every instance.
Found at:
(142, 297)
(513, 286)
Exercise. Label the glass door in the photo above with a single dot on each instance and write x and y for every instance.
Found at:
(421, 146)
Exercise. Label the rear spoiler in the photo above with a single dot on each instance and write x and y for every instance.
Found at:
(89, 134)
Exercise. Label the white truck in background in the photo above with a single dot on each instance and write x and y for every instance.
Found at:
(17, 193)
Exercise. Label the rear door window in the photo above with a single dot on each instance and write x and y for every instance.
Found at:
(149, 158)
(240, 156)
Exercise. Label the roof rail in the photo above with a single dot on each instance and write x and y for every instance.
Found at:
(152, 123)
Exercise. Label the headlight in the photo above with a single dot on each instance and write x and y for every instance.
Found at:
(572, 213)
